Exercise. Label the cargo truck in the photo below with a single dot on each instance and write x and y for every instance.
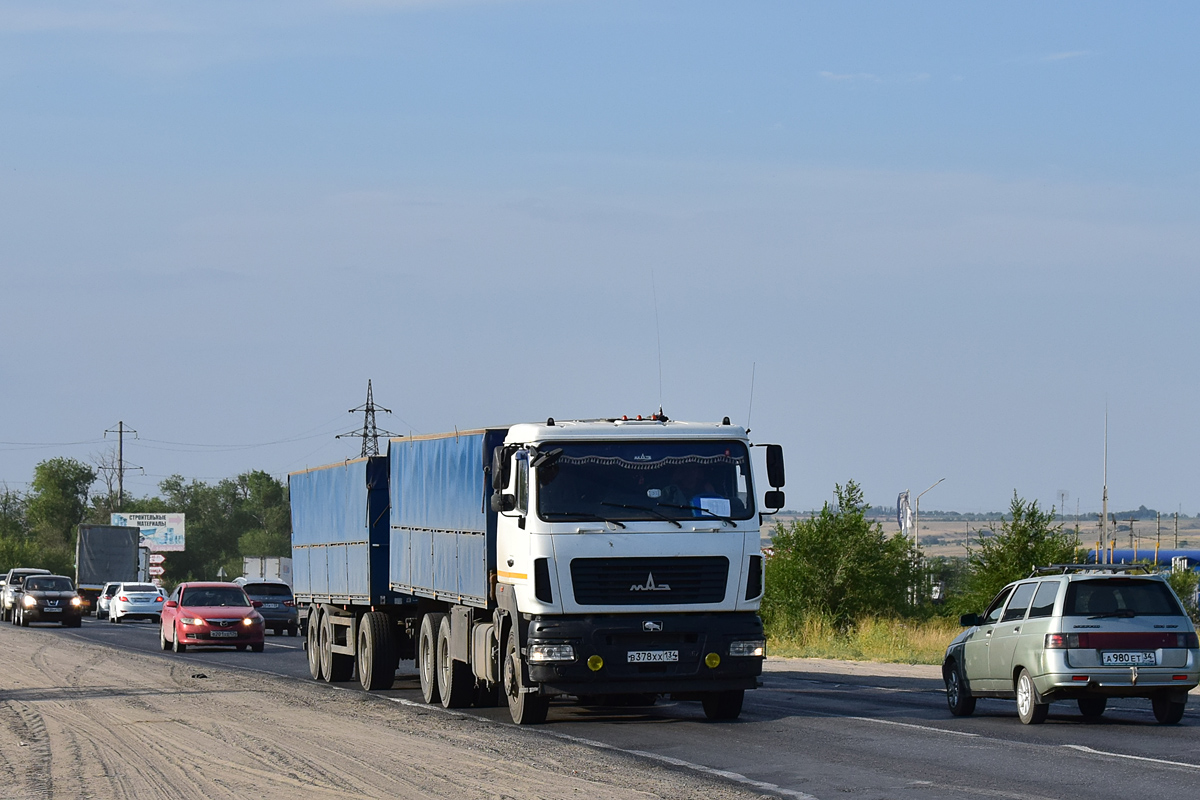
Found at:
(613, 561)
(105, 553)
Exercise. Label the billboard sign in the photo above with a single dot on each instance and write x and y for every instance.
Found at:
(161, 533)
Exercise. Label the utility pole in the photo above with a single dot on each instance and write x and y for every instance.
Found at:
(120, 431)
(1176, 530)
(369, 433)
(1104, 499)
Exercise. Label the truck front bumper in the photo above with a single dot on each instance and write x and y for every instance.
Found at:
(678, 654)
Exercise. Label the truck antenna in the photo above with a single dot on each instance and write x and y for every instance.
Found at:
(370, 433)
(753, 367)
(657, 336)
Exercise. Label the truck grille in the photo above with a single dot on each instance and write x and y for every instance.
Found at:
(649, 581)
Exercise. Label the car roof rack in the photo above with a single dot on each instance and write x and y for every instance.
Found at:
(1064, 569)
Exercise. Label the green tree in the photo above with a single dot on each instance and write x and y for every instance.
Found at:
(58, 499)
(837, 564)
(1184, 582)
(1028, 538)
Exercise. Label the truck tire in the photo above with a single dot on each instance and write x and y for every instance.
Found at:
(336, 667)
(312, 643)
(724, 705)
(456, 684)
(376, 662)
(427, 657)
(525, 708)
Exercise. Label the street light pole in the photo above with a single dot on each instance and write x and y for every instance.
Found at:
(917, 517)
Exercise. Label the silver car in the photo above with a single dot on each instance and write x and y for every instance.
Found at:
(12, 587)
(136, 601)
(104, 598)
(1076, 632)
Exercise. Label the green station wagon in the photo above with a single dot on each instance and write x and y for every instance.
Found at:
(1076, 632)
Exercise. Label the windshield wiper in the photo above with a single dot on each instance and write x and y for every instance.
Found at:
(586, 514)
(647, 509)
(1124, 612)
(700, 508)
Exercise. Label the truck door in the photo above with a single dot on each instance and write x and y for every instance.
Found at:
(1006, 635)
(975, 650)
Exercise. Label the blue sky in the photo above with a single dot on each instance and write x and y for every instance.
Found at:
(942, 236)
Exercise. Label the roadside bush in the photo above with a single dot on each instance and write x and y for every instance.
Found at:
(1184, 583)
(836, 566)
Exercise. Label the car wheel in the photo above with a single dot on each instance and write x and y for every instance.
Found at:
(114, 618)
(177, 644)
(1093, 707)
(162, 639)
(427, 657)
(958, 696)
(24, 619)
(1166, 711)
(293, 629)
(525, 708)
(724, 705)
(257, 648)
(1029, 709)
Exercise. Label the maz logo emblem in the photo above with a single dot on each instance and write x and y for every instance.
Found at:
(651, 586)
(651, 625)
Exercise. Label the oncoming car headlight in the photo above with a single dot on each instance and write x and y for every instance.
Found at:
(541, 653)
(75, 601)
(749, 647)
(248, 621)
(191, 620)
(29, 601)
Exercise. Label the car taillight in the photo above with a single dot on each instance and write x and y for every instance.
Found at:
(1189, 640)
(123, 599)
(158, 599)
(1066, 641)
(289, 603)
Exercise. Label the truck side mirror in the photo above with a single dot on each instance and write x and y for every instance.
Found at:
(497, 471)
(773, 499)
(503, 502)
(775, 466)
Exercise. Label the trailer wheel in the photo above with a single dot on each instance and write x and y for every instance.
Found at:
(336, 667)
(456, 684)
(312, 643)
(376, 662)
(525, 708)
(427, 657)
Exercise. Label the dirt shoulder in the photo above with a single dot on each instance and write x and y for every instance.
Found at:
(89, 721)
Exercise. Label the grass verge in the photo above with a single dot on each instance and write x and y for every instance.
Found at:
(889, 640)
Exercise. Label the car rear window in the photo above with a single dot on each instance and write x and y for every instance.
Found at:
(267, 590)
(1120, 596)
(48, 585)
(139, 587)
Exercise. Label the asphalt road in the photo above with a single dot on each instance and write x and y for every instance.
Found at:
(815, 732)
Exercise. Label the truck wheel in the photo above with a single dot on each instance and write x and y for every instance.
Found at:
(1166, 711)
(456, 684)
(376, 664)
(312, 644)
(724, 705)
(336, 667)
(958, 696)
(427, 657)
(525, 708)
(1030, 711)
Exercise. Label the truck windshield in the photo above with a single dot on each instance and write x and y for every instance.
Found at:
(645, 481)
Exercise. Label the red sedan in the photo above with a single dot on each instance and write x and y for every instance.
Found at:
(210, 614)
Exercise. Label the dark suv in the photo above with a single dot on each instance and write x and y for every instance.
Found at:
(48, 598)
(278, 605)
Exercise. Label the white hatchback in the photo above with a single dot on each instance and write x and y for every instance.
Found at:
(136, 601)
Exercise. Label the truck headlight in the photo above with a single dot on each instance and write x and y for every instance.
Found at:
(748, 647)
(541, 653)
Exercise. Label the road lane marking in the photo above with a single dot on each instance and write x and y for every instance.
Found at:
(675, 762)
(929, 728)
(1094, 752)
